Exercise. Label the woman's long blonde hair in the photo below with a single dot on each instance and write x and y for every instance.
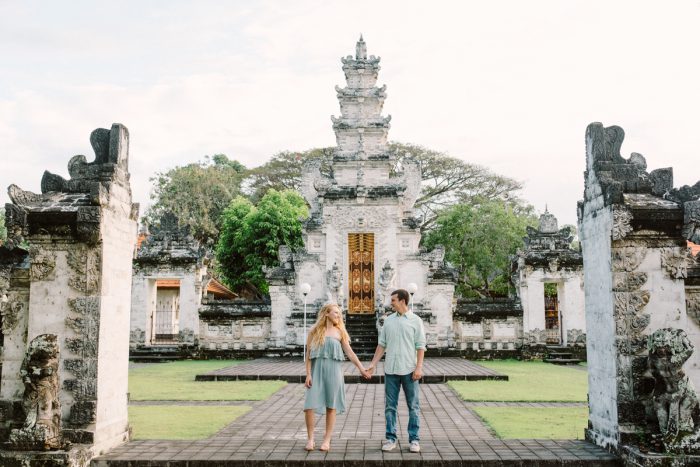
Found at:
(317, 334)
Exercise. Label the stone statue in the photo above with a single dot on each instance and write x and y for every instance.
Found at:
(675, 401)
(334, 280)
(386, 284)
(42, 425)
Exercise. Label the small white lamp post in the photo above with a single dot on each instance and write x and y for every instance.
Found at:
(304, 289)
(412, 288)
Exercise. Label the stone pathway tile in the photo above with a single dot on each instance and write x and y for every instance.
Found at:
(273, 434)
(435, 370)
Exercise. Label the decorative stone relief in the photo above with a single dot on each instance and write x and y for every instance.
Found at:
(675, 261)
(576, 337)
(85, 346)
(137, 336)
(42, 409)
(11, 311)
(334, 281)
(42, 265)
(675, 400)
(84, 266)
(622, 222)
(692, 305)
(627, 258)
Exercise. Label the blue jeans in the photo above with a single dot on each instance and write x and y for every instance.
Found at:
(392, 386)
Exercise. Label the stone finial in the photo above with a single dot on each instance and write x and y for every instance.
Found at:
(111, 162)
(548, 223)
(361, 49)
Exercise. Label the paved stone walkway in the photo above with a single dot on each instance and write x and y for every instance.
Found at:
(435, 370)
(273, 434)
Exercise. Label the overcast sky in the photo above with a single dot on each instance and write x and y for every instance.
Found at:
(510, 85)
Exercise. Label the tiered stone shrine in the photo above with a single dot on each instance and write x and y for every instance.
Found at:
(362, 238)
(555, 316)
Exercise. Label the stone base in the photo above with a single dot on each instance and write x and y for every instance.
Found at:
(633, 457)
(77, 456)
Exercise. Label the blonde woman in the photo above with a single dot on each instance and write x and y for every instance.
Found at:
(325, 383)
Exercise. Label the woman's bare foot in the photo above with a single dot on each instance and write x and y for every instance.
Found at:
(325, 446)
(310, 445)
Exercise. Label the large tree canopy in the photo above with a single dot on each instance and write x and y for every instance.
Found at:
(479, 239)
(197, 194)
(446, 180)
(251, 236)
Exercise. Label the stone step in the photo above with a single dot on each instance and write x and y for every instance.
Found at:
(564, 355)
(562, 361)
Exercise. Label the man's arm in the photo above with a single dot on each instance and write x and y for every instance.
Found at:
(377, 356)
(418, 372)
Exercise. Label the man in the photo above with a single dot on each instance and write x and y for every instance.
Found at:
(403, 339)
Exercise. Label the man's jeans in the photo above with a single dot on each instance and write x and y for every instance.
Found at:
(392, 385)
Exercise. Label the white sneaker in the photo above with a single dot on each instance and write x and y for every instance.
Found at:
(414, 446)
(388, 445)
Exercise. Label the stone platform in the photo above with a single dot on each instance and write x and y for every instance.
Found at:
(435, 371)
(273, 434)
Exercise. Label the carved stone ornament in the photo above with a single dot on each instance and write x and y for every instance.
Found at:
(84, 264)
(675, 400)
(43, 263)
(675, 261)
(628, 258)
(622, 222)
(11, 311)
(692, 305)
(42, 425)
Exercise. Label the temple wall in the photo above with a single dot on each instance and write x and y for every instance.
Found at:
(595, 231)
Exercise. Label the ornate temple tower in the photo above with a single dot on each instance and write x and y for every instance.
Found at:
(362, 237)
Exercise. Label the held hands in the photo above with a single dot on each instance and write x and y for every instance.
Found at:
(307, 384)
(417, 373)
(369, 371)
(365, 374)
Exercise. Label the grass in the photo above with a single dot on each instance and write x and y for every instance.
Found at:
(535, 423)
(528, 382)
(175, 381)
(181, 422)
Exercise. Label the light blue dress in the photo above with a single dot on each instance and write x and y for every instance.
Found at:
(327, 381)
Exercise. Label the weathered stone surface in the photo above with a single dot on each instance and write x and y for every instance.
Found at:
(42, 409)
(639, 279)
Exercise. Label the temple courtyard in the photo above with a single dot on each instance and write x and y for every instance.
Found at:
(272, 432)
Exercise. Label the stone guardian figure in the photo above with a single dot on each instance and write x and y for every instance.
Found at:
(42, 425)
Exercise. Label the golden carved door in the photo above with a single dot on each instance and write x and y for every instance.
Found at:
(361, 251)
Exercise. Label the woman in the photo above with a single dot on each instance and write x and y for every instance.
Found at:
(325, 382)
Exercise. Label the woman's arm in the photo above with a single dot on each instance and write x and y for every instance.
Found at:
(307, 361)
(352, 357)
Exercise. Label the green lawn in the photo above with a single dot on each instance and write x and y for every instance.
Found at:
(528, 382)
(536, 423)
(181, 422)
(175, 381)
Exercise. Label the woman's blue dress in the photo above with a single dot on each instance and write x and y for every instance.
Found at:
(327, 381)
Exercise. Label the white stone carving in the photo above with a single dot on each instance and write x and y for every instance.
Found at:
(622, 222)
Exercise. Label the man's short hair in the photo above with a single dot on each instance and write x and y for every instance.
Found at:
(401, 294)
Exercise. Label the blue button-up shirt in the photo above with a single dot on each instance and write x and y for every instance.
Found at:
(401, 336)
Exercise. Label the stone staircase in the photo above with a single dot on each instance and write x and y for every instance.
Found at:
(560, 355)
(363, 334)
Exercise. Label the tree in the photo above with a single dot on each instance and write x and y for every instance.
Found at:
(479, 239)
(446, 180)
(283, 171)
(197, 194)
(251, 236)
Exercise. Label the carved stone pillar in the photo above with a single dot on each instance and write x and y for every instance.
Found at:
(70, 292)
(635, 262)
